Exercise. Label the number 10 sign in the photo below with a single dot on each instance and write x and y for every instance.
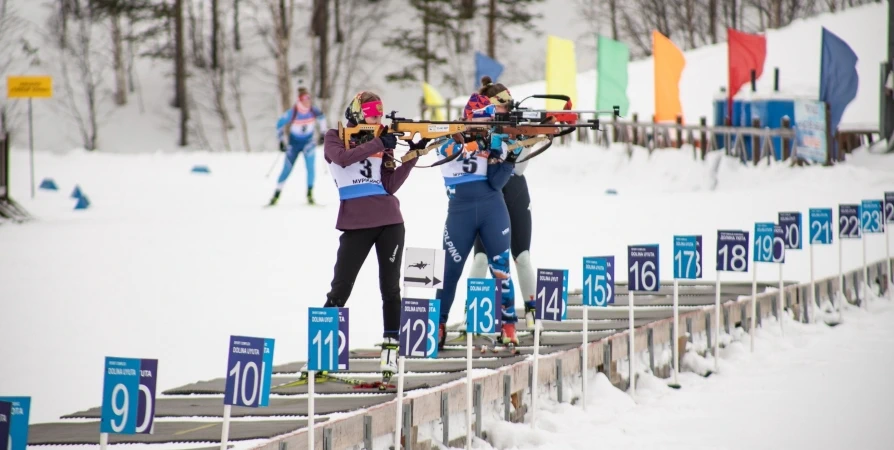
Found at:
(249, 368)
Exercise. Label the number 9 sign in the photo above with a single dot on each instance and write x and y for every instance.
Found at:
(642, 268)
(128, 400)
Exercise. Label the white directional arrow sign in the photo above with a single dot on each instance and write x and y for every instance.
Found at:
(424, 267)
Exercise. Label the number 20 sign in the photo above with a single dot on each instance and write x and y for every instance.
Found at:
(128, 395)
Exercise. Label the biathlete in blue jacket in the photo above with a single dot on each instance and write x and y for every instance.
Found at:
(299, 121)
(476, 207)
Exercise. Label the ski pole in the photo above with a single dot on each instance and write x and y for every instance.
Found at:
(272, 166)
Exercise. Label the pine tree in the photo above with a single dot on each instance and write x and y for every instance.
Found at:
(438, 17)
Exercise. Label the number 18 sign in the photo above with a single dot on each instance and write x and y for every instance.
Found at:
(552, 295)
(128, 395)
(732, 250)
(419, 320)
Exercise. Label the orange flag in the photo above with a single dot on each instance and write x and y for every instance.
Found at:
(669, 63)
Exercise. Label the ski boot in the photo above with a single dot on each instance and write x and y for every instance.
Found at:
(310, 196)
(530, 313)
(275, 198)
(442, 336)
(388, 361)
(508, 339)
(319, 377)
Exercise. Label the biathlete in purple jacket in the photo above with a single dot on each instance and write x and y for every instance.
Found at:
(369, 213)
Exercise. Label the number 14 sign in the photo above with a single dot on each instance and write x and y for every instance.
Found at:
(552, 294)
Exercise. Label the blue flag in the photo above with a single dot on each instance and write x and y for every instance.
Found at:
(486, 66)
(838, 76)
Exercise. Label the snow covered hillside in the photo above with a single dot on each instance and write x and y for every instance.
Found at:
(148, 123)
(794, 49)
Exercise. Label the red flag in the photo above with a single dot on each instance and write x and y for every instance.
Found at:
(746, 52)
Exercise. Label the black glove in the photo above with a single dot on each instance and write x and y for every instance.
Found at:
(419, 145)
(513, 155)
(282, 147)
(321, 139)
(389, 140)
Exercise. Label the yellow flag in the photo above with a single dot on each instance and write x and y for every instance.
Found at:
(433, 100)
(561, 71)
(669, 63)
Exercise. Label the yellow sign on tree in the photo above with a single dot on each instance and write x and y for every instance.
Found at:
(39, 86)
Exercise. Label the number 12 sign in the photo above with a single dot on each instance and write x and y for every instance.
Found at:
(687, 257)
(642, 271)
(419, 321)
(128, 395)
(599, 280)
(732, 250)
(552, 296)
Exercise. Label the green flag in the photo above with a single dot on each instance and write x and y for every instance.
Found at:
(611, 77)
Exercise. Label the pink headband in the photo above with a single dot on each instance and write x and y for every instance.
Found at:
(372, 109)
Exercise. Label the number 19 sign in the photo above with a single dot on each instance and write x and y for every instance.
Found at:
(642, 272)
(128, 395)
(419, 320)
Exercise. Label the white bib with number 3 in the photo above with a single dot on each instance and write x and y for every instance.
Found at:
(361, 179)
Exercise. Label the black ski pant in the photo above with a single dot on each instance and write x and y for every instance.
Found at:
(353, 248)
(517, 200)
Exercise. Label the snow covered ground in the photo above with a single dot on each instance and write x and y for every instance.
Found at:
(815, 388)
(167, 264)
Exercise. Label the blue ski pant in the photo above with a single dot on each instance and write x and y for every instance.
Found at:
(297, 146)
(488, 218)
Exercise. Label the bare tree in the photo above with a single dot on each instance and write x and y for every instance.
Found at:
(180, 71)
(82, 64)
(237, 37)
(215, 33)
(277, 36)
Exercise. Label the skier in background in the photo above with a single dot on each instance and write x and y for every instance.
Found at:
(474, 181)
(518, 202)
(299, 121)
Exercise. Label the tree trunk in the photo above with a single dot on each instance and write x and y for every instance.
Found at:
(282, 54)
(215, 32)
(613, 11)
(196, 36)
(712, 20)
(180, 69)
(237, 41)
(491, 29)
(426, 44)
(324, 50)
(118, 60)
